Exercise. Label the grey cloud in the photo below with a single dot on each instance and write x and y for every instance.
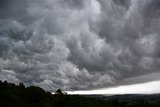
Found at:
(77, 44)
(73, 4)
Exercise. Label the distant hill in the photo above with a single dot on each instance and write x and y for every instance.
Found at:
(12, 95)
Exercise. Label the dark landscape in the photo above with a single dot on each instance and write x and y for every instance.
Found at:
(12, 95)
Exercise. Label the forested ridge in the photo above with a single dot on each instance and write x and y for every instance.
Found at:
(12, 95)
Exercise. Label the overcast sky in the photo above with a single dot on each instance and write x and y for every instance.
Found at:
(79, 44)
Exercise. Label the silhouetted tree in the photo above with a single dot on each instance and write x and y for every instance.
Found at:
(21, 85)
(58, 91)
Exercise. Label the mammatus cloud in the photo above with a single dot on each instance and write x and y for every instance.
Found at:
(79, 44)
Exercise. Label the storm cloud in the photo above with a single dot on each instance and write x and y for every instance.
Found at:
(79, 44)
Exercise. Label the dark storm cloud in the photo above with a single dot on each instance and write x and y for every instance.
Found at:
(11, 9)
(79, 44)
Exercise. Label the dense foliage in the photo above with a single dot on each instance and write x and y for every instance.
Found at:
(12, 95)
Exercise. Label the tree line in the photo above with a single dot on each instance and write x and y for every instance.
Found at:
(12, 95)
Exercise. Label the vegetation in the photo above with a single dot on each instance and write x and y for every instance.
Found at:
(12, 95)
(58, 91)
